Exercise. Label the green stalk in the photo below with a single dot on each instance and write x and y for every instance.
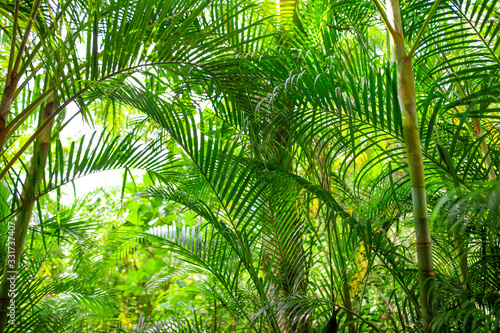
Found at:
(13, 43)
(407, 100)
(6, 102)
(30, 190)
(14, 63)
(27, 31)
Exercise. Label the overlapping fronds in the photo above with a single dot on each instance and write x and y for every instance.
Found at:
(102, 151)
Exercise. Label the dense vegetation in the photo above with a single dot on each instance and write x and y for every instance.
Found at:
(286, 166)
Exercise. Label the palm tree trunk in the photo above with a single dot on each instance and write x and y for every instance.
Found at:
(30, 190)
(407, 100)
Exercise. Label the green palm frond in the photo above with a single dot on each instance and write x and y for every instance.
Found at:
(100, 152)
(476, 217)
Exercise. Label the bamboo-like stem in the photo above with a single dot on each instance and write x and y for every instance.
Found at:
(408, 104)
(13, 43)
(27, 31)
(30, 191)
(6, 102)
(383, 16)
(11, 89)
(14, 124)
(13, 67)
(42, 40)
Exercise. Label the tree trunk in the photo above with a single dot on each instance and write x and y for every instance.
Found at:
(5, 104)
(28, 196)
(407, 100)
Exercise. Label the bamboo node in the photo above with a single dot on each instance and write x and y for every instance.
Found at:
(429, 272)
(424, 244)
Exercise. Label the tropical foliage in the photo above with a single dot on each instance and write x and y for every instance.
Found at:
(285, 166)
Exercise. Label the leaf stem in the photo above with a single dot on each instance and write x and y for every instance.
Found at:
(383, 15)
(424, 26)
(34, 12)
(13, 44)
